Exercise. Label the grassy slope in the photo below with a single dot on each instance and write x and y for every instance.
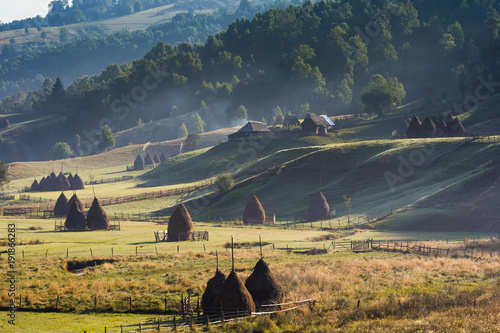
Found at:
(136, 21)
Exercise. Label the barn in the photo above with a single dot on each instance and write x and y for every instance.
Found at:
(252, 130)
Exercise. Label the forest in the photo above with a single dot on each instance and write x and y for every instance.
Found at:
(327, 57)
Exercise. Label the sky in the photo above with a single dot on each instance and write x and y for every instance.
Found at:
(11, 10)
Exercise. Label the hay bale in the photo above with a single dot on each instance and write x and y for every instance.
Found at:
(254, 212)
(62, 182)
(318, 208)
(139, 163)
(148, 160)
(413, 130)
(70, 179)
(77, 183)
(180, 225)
(234, 296)
(291, 120)
(455, 127)
(214, 286)
(428, 128)
(97, 219)
(263, 287)
(163, 157)
(75, 220)
(44, 184)
(61, 207)
(156, 159)
(35, 186)
(79, 205)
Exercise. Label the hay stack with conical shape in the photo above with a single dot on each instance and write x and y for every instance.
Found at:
(214, 286)
(148, 160)
(455, 128)
(441, 128)
(318, 208)
(44, 185)
(61, 207)
(263, 287)
(70, 179)
(156, 159)
(233, 297)
(75, 220)
(79, 205)
(428, 128)
(35, 186)
(180, 225)
(62, 182)
(139, 163)
(77, 183)
(254, 212)
(163, 157)
(97, 219)
(413, 130)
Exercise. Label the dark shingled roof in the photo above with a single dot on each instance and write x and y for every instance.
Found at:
(254, 126)
(319, 120)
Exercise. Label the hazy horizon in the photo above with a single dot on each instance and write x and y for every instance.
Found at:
(21, 9)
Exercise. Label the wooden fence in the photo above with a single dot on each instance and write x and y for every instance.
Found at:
(23, 210)
(62, 227)
(162, 236)
(108, 180)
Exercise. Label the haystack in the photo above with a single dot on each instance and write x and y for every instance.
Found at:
(62, 182)
(214, 286)
(441, 128)
(61, 207)
(75, 220)
(455, 128)
(413, 130)
(156, 159)
(139, 163)
(79, 205)
(148, 160)
(97, 219)
(77, 183)
(263, 287)
(35, 186)
(163, 157)
(44, 184)
(70, 179)
(428, 128)
(254, 212)
(318, 208)
(180, 225)
(233, 297)
(291, 120)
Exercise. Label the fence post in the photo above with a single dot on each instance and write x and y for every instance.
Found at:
(46, 253)
(57, 302)
(95, 303)
(91, 252)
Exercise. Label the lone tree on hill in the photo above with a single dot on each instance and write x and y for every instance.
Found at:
(106, 139)
(192, 141)
(224, 182)
(182, 132)
(381, 94)
(59, 151)
(4, 177)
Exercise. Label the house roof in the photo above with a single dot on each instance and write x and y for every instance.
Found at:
(254, 126)
(320, 120)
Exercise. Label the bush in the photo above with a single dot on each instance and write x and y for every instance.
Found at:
(224, 182)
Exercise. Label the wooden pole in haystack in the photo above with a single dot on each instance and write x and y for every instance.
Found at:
(232, 254)
(260, 244)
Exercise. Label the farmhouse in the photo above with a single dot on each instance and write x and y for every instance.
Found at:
(317, 124)
(252, 130)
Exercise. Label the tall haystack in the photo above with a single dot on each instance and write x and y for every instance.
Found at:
(441, 128)
(62, 182)
(214, 286)
(79, 205)
(163, 157)
(77, 183)
(413, 130)
(455, 127)
(254, 212)
(52, 182)
(233, 297)
(318, 208)
(148, 160)
(61, 207)
(75, 220)
(428, 128)
(263, 287)
(35, 186)
(70, 179)
(156, 159)
(180, 225)
(44, 184)
(97, 219)
(139, 163)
